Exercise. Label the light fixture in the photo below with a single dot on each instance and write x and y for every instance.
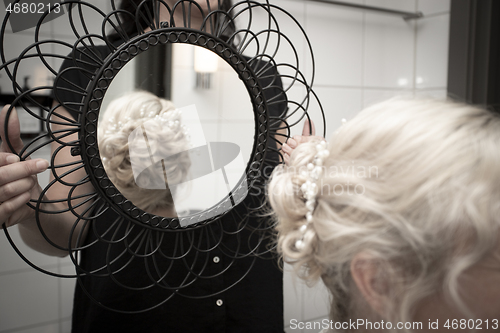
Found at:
(402, 82)
(205, 64)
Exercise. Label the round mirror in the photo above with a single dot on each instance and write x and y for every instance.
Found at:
(176, 139)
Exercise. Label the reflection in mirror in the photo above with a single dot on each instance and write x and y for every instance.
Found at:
(171, 147)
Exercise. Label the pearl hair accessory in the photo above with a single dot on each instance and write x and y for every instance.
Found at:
(169, 118)
(310, 188)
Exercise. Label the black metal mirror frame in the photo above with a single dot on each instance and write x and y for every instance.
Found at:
(97, 90)
(249, 238)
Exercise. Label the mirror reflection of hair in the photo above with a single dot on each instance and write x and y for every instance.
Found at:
(124, 115)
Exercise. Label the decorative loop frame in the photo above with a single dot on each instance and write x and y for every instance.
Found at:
(162, 247)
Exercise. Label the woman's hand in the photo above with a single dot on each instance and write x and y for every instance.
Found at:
(18, 181)
(294, 142)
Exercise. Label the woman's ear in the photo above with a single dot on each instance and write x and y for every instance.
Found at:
(368, 275)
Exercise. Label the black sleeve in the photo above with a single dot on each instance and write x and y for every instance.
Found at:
(277, 103)
(272, 85)
(74, 77)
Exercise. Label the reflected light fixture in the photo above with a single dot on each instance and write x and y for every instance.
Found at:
(402, 82)
(205, 64)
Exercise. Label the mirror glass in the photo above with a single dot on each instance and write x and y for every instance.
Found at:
(176, 130)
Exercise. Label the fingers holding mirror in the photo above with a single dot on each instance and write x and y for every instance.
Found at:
(308, 134)
(13, 135)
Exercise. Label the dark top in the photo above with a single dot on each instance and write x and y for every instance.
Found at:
(254, 304)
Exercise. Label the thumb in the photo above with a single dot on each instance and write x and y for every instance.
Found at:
(308, 128)
(13, 130)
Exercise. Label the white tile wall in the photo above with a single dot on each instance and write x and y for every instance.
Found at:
(372, 96)
(388, 56)
(30, 298)
(433, 93)
(361, 58)
(185, 94)
(338, 104)
(49, 328)
(294, 296)
(66, 289)
(339, 31)
(9, 261)
(432, 52)
(238, 105)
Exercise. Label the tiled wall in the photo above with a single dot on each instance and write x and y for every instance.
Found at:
(361, 58)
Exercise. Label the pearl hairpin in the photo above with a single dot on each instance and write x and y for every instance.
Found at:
(309, 188)
(170, 118)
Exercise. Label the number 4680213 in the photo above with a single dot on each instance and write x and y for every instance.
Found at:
(32, 8)
(470, 324)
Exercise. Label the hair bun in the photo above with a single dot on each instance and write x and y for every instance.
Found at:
(289, 199)
(166, 136)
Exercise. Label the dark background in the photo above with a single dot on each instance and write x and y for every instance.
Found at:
(474, 58)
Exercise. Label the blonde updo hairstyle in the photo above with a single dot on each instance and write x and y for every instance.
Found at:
(124, 115)
(423, 199)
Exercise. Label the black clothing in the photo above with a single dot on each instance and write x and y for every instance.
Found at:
(254, 304)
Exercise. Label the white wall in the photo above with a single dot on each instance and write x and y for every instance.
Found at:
(361, 58)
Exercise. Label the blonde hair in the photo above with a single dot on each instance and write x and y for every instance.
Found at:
(429, 209)
(120, 119)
